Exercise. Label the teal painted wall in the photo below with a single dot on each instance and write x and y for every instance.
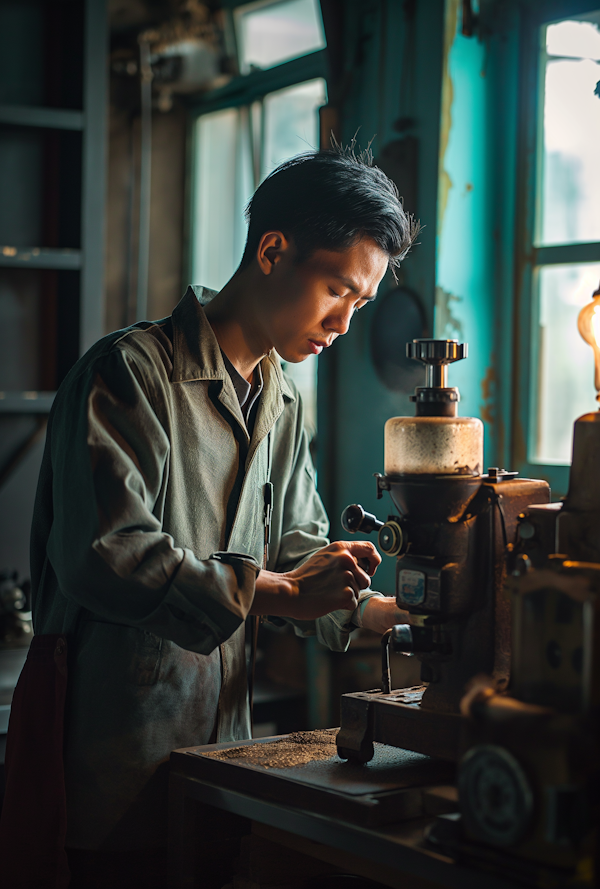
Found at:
(464, 307)
(463, 96)
(353, 403)
(475, 263)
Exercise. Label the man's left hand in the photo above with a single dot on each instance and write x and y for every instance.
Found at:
(381, 613)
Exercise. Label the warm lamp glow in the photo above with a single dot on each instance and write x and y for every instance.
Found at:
(588, 323)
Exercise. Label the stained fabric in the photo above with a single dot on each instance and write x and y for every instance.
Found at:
(33, 823)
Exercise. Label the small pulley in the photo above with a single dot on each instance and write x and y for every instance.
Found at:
(391, 537)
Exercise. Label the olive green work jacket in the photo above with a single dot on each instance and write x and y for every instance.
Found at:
(148, 472)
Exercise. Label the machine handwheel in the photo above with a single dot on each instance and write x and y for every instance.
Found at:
(496, 798)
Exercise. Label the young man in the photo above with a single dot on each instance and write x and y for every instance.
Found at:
(149, 529)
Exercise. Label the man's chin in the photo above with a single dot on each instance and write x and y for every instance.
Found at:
(293, 356)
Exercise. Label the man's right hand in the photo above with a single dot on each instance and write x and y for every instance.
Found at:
(328, 581)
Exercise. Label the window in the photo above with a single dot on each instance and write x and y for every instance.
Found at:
(563, 248)
(272, 115)
(235, 149)
(271, 33)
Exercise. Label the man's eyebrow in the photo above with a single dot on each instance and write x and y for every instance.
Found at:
(349, 283)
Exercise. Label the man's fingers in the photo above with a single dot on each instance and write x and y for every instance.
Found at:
(362, 579)
(364, 549)
(351, 579)
(351, 598)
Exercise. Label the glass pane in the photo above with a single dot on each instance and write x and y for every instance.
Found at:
(577, 39)
(222, 187)
(271, 33)
(291, 122)
(291, 125)
(570, 199)
(566, 364)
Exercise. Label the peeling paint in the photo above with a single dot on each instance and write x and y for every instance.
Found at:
(447, 325)
(488, 395)
(500, 441)
(519, 449)
(445, 181)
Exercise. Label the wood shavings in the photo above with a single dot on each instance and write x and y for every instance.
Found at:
(296, 749)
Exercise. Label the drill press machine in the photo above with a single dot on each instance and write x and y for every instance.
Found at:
(451, 534)
(530, 775)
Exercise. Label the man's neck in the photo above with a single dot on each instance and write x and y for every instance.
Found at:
(232, 316)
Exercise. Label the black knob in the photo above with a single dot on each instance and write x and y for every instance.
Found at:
(436, 355)
(437, 351)
(354, 519)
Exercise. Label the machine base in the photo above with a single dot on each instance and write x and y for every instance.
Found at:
(399, 720)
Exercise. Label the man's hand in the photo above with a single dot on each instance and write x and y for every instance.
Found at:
(381, 612)
(328, 581)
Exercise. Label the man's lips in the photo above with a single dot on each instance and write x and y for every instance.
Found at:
(318, 345)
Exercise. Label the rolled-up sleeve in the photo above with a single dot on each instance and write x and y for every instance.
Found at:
(110, 460)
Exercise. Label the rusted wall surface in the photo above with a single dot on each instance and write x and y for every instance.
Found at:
(465, 256)
(166, 215)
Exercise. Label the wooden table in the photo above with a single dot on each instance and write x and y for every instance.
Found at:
(369, 820)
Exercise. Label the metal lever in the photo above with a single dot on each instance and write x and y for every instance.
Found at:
(386, 676)
(409, 640)
(354, 519)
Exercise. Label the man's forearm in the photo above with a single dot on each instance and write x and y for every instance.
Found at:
(274, 594)
(381, 612)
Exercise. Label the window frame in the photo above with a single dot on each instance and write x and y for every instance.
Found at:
(242, 91)
(529, 257)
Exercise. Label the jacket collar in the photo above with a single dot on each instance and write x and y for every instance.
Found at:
(196, 352)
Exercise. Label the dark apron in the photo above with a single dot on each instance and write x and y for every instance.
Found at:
(34, 814)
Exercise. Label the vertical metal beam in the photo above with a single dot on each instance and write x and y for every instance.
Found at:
(141, 306)
(93, 192)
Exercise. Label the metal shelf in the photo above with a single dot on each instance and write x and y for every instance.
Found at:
(49, 118)
(39, 258)
(26, 402)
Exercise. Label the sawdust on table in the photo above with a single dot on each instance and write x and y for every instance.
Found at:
(296, 749)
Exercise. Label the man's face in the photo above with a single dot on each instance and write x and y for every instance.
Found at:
(309, 303)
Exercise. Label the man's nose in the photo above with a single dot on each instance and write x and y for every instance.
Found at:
(339, 321)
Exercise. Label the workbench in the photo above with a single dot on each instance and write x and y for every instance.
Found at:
(369, 820)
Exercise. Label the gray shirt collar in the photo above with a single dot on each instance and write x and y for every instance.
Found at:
(243, 388)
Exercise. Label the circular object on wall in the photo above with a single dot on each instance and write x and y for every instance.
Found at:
(399, 318)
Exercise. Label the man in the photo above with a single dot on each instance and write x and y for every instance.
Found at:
(168, 446)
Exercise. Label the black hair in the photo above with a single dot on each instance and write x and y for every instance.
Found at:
(330, 199)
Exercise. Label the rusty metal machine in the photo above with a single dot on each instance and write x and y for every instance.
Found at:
(450, 535)
(503, 589)
(529, 777)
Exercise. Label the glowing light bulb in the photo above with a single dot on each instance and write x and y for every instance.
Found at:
(596, 324)
(588, 323)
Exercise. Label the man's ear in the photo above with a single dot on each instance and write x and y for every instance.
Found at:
(271, 249)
